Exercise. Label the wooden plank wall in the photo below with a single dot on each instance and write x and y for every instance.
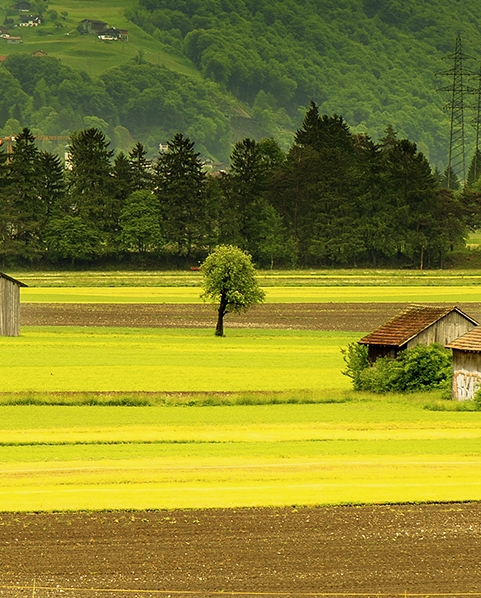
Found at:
(9, 308)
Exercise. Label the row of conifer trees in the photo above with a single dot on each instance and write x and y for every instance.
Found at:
(333, 198)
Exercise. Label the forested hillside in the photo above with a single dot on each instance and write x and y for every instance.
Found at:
(221, 70)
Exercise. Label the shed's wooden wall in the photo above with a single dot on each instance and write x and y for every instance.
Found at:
(443, 331)
(466, 374)
(9, 308)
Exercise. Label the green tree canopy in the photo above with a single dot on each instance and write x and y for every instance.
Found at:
(230, 280)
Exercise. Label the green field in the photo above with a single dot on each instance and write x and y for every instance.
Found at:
(267, 278)
(153, 360)
(278, 294)
(370, 450)
(261, 417)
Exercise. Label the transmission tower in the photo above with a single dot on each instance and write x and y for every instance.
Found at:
(457, 90)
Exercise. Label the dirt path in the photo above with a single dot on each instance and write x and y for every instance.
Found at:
(313, 316)
(369, 550)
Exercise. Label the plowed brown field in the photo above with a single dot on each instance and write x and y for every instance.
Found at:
(309, 316)
(422, 550)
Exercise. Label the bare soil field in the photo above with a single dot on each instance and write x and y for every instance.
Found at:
(422, 550)
(310, 316)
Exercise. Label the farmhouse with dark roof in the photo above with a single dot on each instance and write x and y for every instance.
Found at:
(418, 324)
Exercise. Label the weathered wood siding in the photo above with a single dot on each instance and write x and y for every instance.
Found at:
(9, 308)
(466, 374)
(445, 330)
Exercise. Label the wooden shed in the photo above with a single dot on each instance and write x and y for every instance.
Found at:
(418, 324)
(10, 305)
(466, 364)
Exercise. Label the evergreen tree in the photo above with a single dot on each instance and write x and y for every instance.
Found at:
(22, 197)
(122, 179)
(452, 177)
(91, 182)
(52, 186)
(140, 168)
(474, 171)
(181, 190)
(246, 187)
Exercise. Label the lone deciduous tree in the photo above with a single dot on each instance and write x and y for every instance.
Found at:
(230, 280)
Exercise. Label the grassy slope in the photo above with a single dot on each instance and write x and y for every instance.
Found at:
(86, 52)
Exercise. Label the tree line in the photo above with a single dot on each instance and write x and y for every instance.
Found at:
(333, 199)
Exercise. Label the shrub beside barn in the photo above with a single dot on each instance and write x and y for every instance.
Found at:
(418, 324)
(10, 305)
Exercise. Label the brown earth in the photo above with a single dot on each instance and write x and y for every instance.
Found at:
(373, 551)
(311, 316)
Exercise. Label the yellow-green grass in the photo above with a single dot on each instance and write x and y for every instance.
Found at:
(267, 278)
(372, 450)
(65, 359)
(278, 294)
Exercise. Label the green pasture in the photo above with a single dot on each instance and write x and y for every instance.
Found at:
(87, 52)
(64, 359)
(369, 449)
(277, 294)
(267, 278)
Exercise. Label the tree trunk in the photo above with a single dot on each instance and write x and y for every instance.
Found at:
(219, 329)
(421, 260)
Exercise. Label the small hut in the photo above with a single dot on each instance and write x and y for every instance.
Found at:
(10, 305)
(466, 364)
(418, 324)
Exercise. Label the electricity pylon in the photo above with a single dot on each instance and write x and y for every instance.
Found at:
(458, 89)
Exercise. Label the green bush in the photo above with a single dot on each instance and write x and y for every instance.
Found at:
(420, 368)
(477, 400)
(356, 358)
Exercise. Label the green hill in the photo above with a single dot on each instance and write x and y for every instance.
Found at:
(220, 70)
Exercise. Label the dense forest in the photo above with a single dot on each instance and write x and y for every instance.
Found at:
(257, 65)
(334, 198)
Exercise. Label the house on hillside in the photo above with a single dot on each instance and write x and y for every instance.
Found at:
(29, 21)
(93, 26)
(14, 39)
(10, 305)
(112, 33)
(466, 364)
(418, 324)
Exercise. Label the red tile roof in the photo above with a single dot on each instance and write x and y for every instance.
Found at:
(469, 341)
(408, 324)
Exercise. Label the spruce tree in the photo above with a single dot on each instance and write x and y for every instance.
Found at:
(140, 168)
(90, 178)
(181, 190)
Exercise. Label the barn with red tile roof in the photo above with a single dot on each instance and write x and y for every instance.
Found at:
(418, 324)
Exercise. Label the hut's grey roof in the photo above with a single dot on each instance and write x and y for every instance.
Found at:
(408, 324)
(469, 341)
(14, 280)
